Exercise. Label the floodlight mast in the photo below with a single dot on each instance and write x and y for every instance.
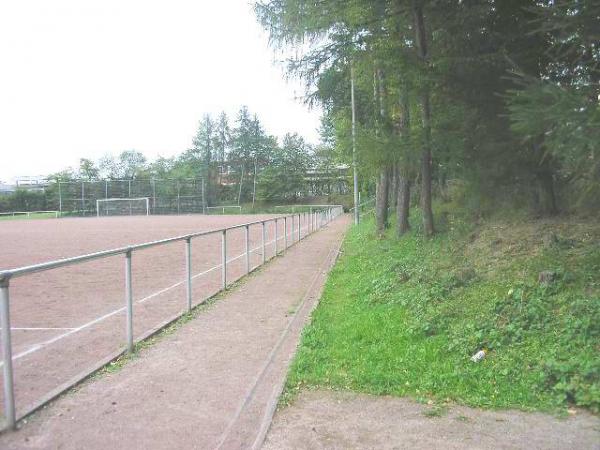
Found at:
(354, 163)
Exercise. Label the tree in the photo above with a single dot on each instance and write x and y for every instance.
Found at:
(251, 150)
(202, 157)
(556, 110)
(88, 169)
(128, 165)
(284, 180)
(222, 142)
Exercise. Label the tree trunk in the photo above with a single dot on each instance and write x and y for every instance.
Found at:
(381, 200)
(403, 205)
(383, 181)
(428, 227)
(547, 194)
(403, 169)
(421, 45)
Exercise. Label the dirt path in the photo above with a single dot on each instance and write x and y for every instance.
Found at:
(212, 383)
(336, 420)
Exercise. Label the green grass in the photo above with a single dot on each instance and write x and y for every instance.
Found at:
(31, 216)
(402, 317)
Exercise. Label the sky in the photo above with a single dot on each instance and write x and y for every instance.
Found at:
(85, 78)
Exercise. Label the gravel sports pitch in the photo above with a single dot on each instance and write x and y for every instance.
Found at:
(66, 320)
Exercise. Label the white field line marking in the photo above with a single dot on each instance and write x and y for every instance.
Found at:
(38, 328)
(71, 331)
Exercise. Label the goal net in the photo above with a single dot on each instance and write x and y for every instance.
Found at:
(123, 206)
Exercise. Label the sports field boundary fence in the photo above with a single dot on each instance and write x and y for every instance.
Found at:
(166, 196)
(223, 208)
(313, 221)
(28, 214)
(366, 207)
(298, 208)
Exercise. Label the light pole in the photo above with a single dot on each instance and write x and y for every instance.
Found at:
(354, 164)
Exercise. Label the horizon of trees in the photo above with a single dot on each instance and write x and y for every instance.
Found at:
(240, 162)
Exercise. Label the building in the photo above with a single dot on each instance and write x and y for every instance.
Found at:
(7, 189)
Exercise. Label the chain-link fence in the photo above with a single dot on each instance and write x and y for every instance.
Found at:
(165, 196)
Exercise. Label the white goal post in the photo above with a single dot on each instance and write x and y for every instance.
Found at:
(123, 206)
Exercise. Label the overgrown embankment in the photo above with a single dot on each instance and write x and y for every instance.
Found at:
(403, 317)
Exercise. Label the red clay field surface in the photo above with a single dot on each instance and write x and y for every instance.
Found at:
(65, 320)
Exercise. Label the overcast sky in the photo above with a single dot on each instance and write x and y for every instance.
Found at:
(82, 78)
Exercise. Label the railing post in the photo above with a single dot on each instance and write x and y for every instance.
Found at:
(224, 258)
(307, 223)
(188, 271)
(264, 257)
(276, 237)
(299, 227)
(285, 233)
(9, 387)
(292, 234)
(247, 236)
(129, 302)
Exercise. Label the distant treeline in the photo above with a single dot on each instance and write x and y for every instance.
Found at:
(239, 164)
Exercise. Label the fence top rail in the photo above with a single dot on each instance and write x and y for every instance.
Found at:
(109, 180)
(124, 199)
(27, 212)
(6, 275)
(302, 206)
(366, 202)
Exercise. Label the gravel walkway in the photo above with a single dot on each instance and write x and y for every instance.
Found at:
(343, 420)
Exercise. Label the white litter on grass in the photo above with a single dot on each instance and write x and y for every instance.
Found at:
(478, 356)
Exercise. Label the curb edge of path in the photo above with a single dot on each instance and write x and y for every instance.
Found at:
(278, 389)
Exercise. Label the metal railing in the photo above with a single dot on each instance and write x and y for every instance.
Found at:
(313, 221)
(29, 213)
(363, 205)
(300, 208)
(237, 209)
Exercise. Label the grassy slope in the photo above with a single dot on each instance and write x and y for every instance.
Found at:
(403, 317)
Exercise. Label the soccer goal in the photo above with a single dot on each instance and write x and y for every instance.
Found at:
(123, 206)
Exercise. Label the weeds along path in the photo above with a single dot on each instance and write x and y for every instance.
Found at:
(211, 383)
